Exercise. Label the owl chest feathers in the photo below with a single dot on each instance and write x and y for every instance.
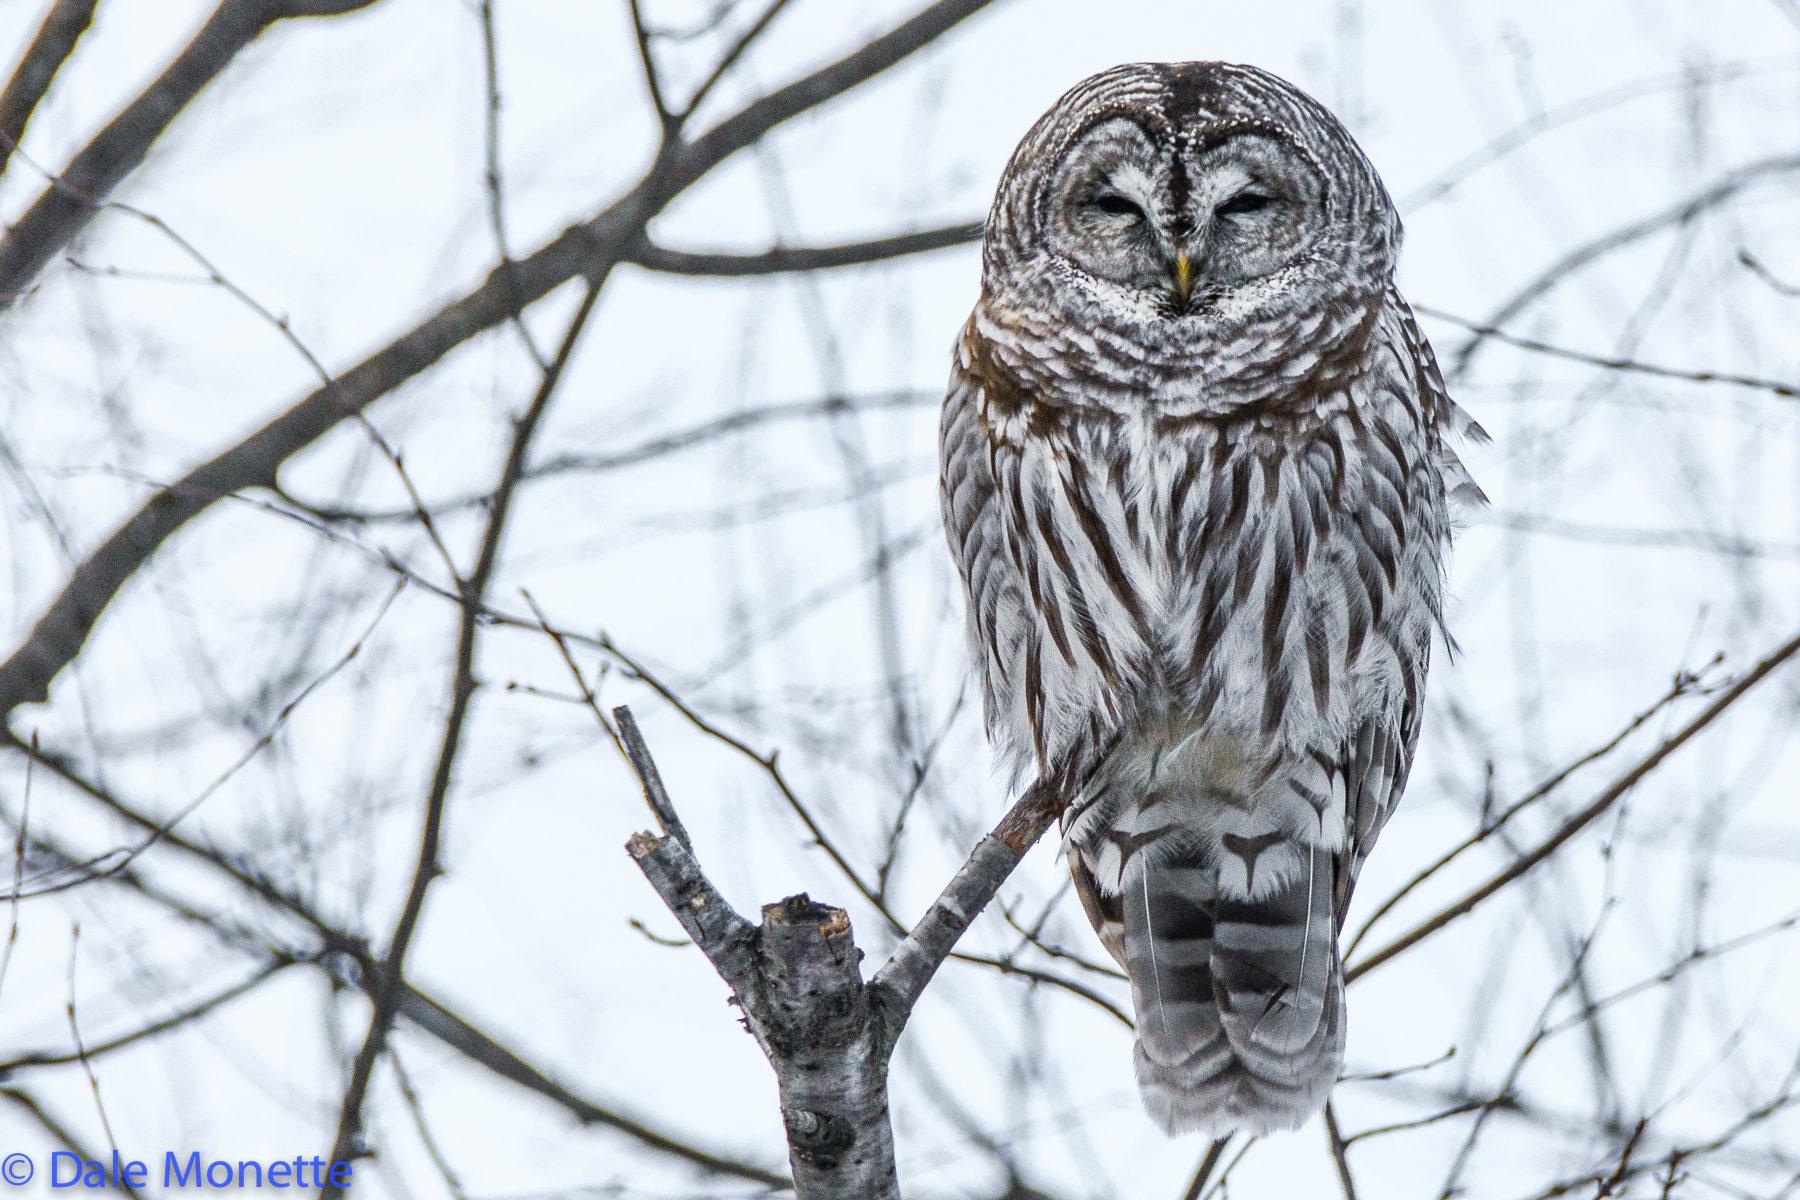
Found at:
(1265, 576)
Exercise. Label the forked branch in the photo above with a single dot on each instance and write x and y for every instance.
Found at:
(798, 979)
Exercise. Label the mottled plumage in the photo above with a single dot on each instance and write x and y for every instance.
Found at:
(1196, 482)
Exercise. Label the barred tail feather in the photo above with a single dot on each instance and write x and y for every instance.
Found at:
(1239, 1004)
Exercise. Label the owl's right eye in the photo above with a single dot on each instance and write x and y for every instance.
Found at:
(1116, 205)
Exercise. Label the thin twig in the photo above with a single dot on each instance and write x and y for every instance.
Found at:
(1663, 977)
(671, 123)
(44, 1058)
(1467, 1106)
(588, 696)
(1546, 120)
(1007, 967)
(81, 1053)
(1767, 276)
(655, 795)
(770, 767)
(12, 933)
(495, 187)
(1684, 684)
(1397, 1072)
(1677, 214)
(1705, 540)
(1613, 1182)
(61, 1133)
(1204, 1172)
(1580, 820)
(646, 451)
(451, 1181)
(1031, 938)
(730, 57)
(1339, 1152)
(1632, 366)
(1505, 1091)
(347, 1144)
(119, 858)
(657, 938)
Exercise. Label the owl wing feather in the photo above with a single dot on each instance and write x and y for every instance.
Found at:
(978, 533)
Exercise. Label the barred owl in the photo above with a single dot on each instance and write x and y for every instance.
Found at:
(1196, 480)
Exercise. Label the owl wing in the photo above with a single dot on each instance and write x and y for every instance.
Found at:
(1377, 758)
(978, 534)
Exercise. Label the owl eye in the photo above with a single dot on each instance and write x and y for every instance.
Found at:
(1243, 202)
(1117, 206)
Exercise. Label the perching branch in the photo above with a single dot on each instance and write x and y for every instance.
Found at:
(797, 978)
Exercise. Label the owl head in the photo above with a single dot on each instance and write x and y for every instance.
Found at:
(1182, 204)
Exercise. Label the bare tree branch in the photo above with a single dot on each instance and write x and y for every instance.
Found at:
(671, 124)
(1339, 1152)
(1543, 121)
(1767, 276)
(1611, 364)
(348, 1143)
(1707, 198)
(1006, 966)
(648, 450)
(75, 195)
(451, 1182)
(797, 980)
(1728, 545)
(784, 260)
(655, 795)
(432, 1017)
(590, 248)
(57, 1130)
(1204, 1171)
(1580, 820)
(746, 127)
(1683, 684)
(47, 1058)
(496, 187)
(63, 26)
(730, 57)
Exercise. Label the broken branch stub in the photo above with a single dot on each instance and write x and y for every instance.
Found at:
(798, 980)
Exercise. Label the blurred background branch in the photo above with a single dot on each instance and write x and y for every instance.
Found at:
(325, 776)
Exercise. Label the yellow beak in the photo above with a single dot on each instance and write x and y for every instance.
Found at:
(1184, 278)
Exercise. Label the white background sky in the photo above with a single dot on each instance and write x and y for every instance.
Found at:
(336, 175)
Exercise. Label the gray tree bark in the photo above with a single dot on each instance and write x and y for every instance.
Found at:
(797, 977)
